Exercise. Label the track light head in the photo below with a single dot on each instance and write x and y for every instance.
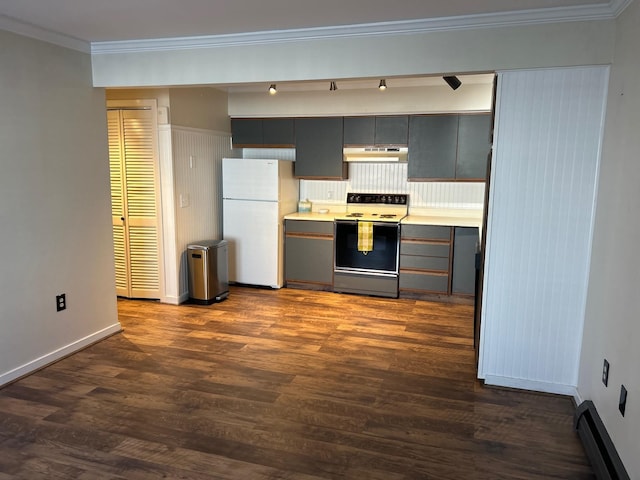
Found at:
(383, 85)
(272, 89)
(333, 86)
(452, 81)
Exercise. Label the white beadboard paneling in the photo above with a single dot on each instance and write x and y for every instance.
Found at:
(197, 157)
(447, 194)
(324, 191)
(392, 178)
(543, 183)
(288, 154)
(380, 178)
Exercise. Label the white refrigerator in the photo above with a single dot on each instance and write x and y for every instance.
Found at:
(256, 195)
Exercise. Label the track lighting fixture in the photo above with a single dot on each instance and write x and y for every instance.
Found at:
(272, 89)
(383, 85)
(333, 86)
(452, 81)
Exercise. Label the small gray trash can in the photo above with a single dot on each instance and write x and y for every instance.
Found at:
(208, 271)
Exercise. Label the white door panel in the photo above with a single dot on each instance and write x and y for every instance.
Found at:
(134, 202)
(251, 228)
(250, 179)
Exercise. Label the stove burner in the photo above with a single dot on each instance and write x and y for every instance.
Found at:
(388, 215)
(355, 215)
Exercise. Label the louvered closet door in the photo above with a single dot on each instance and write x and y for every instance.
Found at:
(134, 199)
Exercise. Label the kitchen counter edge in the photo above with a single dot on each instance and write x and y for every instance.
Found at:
(442, 220)
(315, 216)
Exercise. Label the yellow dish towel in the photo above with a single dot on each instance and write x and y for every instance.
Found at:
(365, 237)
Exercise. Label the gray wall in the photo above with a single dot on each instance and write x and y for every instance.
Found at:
(612, 326)
(54, 206)
(483, 49)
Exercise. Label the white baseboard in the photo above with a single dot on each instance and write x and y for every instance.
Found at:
(171, 300)
(522, 384)
(51, 357)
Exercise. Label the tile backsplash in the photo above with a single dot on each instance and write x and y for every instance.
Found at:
(382, 178)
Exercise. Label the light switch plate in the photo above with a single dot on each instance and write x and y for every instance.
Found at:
(163, 115)
(184, 200)
(622, 404)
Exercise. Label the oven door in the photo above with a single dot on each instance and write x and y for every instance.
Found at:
(382, 260)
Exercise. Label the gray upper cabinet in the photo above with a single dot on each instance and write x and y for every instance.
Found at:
(392, 130)
(432, 147)
(319, 148)
(473, 146)
(263, 132)
(380, 130)
(359, 130)
(449, 147)
(246, 131)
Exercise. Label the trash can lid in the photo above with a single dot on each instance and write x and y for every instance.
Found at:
(204, 244)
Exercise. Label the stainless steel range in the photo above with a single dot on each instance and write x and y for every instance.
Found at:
(367, 244)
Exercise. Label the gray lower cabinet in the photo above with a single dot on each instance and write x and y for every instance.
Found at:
(425, 259)
(319, 148)
(309, 253)
(438, 259)
(464, 267)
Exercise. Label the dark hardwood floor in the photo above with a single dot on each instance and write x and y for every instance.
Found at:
(287, 384)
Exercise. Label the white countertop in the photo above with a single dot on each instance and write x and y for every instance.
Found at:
(316, 216)
(454, 217)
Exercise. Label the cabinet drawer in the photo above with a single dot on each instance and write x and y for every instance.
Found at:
(309, 226)
(425, 249)
(424, 263)
(429, 282)
(434, 232)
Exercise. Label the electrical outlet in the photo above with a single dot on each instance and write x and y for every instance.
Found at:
(605, 373)
(622, 404)
(61, 302)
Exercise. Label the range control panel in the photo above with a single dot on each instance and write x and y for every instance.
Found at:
(383, 198)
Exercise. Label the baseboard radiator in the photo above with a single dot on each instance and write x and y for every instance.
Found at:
(602, 453)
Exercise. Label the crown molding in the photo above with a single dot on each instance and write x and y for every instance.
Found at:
(524, 17)
(618, 6)
(33, 31)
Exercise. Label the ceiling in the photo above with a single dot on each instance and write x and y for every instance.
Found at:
(94, 21)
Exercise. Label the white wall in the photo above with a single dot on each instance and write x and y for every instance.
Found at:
(541, 207)
(470, 97)
(612, 324)
(200, 107)
(479, 50)
(55, 215)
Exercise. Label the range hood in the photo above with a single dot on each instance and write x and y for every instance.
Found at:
(375, 154)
